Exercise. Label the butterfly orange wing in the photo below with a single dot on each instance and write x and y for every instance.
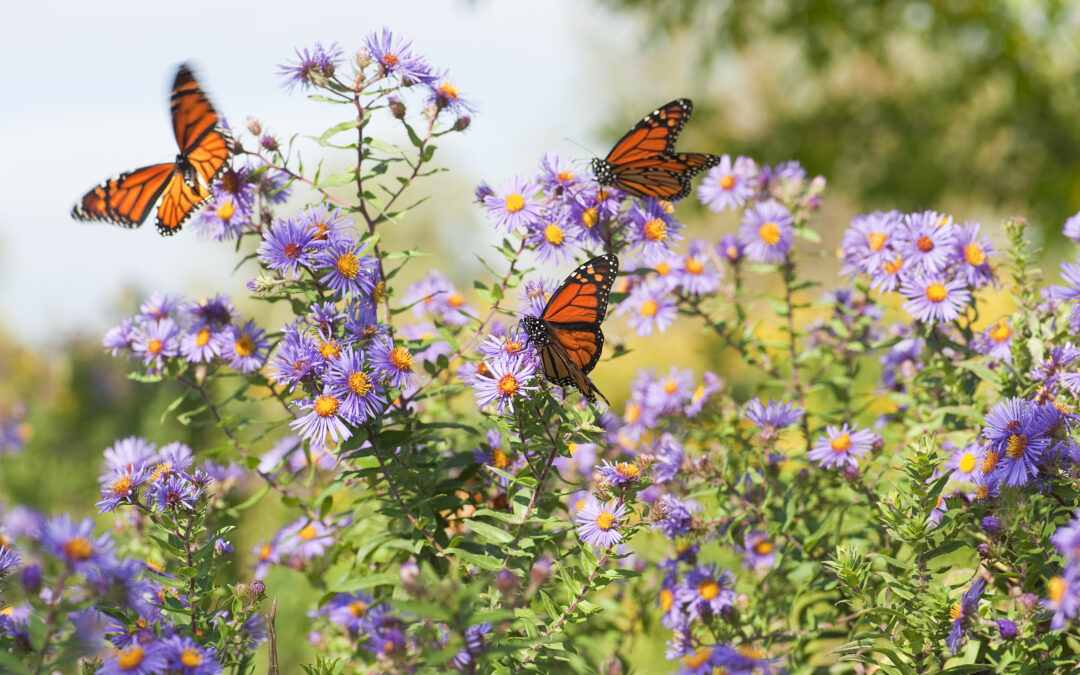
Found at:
(178, 203)
(654, 135)
(126, 199)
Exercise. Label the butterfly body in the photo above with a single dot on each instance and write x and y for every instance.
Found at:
(179, 188)
(644, 162)
(567, 334)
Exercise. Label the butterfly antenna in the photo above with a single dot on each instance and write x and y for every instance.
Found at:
(588, 150)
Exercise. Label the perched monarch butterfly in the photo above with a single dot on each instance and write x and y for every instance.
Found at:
(181, 186)
(644, 162)
(567, 333)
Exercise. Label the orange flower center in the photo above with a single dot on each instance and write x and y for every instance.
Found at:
(655, 230)
(131, 658)
(936, 292)
(455, 300)
(449, 91)
(191, 657)
(121, 486)
(694, 266)
(1000, 332)
(202, 337)
(359, 383)
(154, 346)
(698, 658)
(508, 385)
(894, 266)
(79, 549)
(708, 589)
(389, 60)
(877, 240)
(841, 443)
(763, 548)
(564, 176)
(1056, 589)
(348, 266)
(663, 269)
(308, 533)
(401, 359)
(727, 181)
(499, 460)
(330, 350)
(769, 233)
(590, 217)
(358, 608)
(974, 254)
(989, 462)
(667, 600)
(925, 244)
(633, 412)
(244, 345)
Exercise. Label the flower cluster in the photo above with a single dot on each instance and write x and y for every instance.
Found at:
(241, 201)
(133, 464)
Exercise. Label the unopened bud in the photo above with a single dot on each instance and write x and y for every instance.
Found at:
(410, 575)
(397, 107)
(254, 127)
(505, 581)
(258, 588)
(462, 123)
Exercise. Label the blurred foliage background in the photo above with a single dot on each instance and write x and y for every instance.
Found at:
(967, 106)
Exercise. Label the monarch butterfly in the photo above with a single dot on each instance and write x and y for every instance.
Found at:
(644, 163)
(567, 333)
(181, 186)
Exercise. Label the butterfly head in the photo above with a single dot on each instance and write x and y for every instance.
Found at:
(534, 328)
(602, 170)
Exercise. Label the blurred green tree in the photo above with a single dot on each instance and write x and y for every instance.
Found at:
(904, 103)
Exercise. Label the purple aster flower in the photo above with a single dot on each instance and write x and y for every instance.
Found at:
(494, 457)
(728, 184)
(286, 247)
(1067, 539)
(841, 446)
(296, 358)
(667, 458)
(359, 391)
(1064, 596)
(653, 229)
(394, 54)
(669, 394)
(935, 299)
(74, 543)
(513, 345)
(222, 219)
(1017, 433)
(174, 492)
(598, 523)
(678, 517)
(514, 206)
(348, 610)
(617, 474)
(927, 241)
(311, 68)
(244, 349)
(435, 295)
(650, 307)
(1060, 357)
(144, 658)
(964, 462)
(223, 547)
(869, 241)
(986, 485)
(963, 613)
(385, 632)
(1071, 229)
(582, 459)
(973, 254)
(128, 454)
(325, 422)
(158, 306)
(995, 342)
(395, 364)
(507, 378)
(888, 275)
(121, 488)
(710, 384)
(705, 590)
(535, 295)
(553, 237)
(9, 560)
(171, 459)
(201, 344)
(771, 417)
(327, 226)
(305, 539)
(120, 338)
(696, 274)
(729, 248)
(559, 178)
(350, 272)
(184, 656)
(157, 341)
(445, 96)
(766, 232)
(758, 552)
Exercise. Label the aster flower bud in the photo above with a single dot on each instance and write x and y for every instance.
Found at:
(241, 590)
(397, 107)
(505, 581)
(1007, 628)
(31, 578)
(850, 473)
(540, 573)
(462, 123)
(257, 589)
(877, 443)
(269, 143)
(1028, 601)
(431, 111)
(364, 57)
(991, 525)
(254, 127)
(410, 575)
(222, 546)
(985, 551)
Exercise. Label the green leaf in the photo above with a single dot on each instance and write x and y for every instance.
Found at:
(489, 532)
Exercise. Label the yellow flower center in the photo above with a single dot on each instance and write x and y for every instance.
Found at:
(763, 548)
(379, 293)
(162, 469)
(1016, 446)
(727, 181)
(877, 240)
(244, 345)
(667, 600)
(698, 658)
(974, 254)
(708, 589)
(326, 405)
(358, 608)
(925, 244)
(750, 652)
(1000, 332)
(499, 460)
(348, 266)
(968, 462)
(627, 470)
(1056, 589)
(554, 234)
(389, 60)
(401, 359)
(202, 337)
(154, 346)
(359, 383)
(508, 385)
(79, 549)
(605, 521)
(632, 413)
(663, 268)
(590, 217)
(308, 533)
(515, 203)
(893, 266)
(455, 300)
(694, 266)
(649, 307)
(226, 210)
(191, 657)
(449, 91)
(841, 443)
(769, 233)
(121, 486)
(699, 393)
(989, 462)
(982, 492)
(330, 350)
(936, 292)
(512, 347)
(130, 658)
(655, 230)
(154, 565)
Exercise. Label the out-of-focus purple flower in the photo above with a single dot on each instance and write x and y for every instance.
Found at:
(141, 658)
(972, 254)
(766, 232)
(759, 554)
(667, 458)
(394, 54)
(935, 299)
(728, 184)
(186, 657)
(158, 306)
(348, 610)
(9, 560)
(74, 543)
(650, 307)
(841, 446)
(1071, 229)
(696, 274)
(120, 338)
(1063, 596)
(963, 613)
(729, 248)
(771, 417)
(535, 295)
(128, 454)
(155, 342)
(995, 342)
(964, 462)
(244, 347)
(1067, 539)
(670, 393)
(889, 274)
(710, 384)
(869, 241)
(305, 539)
(434, 294)
(706, 590)
(678, 515)
(598, 523)
(1007, 629)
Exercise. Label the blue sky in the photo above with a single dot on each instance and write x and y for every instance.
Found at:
(86, 96)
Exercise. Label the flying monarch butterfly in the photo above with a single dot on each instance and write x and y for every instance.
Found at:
(567, 333)
(181, 186)
(644, 162)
